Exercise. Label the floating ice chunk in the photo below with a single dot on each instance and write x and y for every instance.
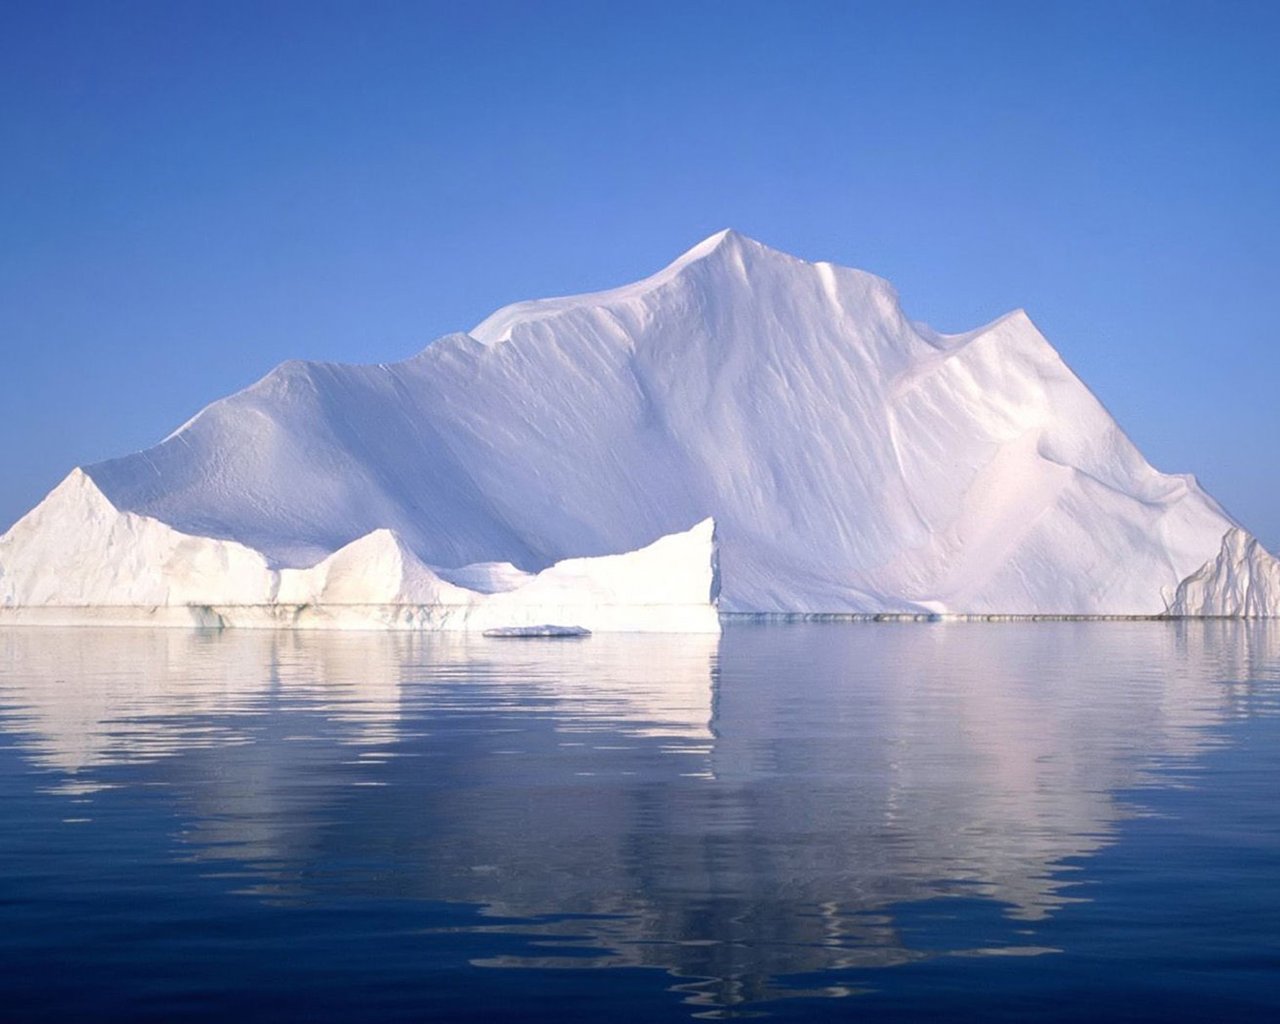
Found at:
(523, 632)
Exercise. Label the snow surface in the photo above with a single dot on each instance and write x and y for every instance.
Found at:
(76, 558)
(854, 461)
(1243, 581)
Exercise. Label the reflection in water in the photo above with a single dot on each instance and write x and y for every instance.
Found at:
(731, 810)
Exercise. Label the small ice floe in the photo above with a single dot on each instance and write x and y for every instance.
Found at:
(524, 632)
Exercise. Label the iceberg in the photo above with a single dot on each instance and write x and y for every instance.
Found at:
(854, 462)
(77, 559)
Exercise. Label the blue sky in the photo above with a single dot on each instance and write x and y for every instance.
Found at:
(190, 193)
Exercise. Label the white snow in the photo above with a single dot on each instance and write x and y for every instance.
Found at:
(76, 549)
(853, 460)
(1243, 581)
(78, 559)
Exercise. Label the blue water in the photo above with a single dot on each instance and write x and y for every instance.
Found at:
(1058, 821)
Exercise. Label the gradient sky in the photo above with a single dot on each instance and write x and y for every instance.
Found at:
(191, 193)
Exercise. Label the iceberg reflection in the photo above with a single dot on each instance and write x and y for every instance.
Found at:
(733, 810)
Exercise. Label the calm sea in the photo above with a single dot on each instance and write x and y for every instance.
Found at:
(977, 822)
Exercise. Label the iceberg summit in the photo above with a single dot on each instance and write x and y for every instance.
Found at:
(742, 432)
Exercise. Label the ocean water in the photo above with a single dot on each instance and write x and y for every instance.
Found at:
(971, 822)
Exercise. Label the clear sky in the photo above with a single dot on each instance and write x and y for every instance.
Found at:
(192, 192)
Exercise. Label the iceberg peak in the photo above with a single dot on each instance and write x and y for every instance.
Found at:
(724, 240)
(726, 246)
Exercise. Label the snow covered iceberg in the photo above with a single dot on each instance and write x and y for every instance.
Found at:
(854, 461)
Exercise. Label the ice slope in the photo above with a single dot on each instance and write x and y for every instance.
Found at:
(78, 559)
(1242, 581)
(854, 461)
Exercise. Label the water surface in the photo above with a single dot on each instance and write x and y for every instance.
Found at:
(874, 821)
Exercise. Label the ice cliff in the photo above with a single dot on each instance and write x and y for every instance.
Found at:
(854, 461)
(1241, 581)
(77, 558)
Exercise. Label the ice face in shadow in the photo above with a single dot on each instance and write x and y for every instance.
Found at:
(733, 811)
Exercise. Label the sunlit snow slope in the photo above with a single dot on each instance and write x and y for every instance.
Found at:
(854, 461)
